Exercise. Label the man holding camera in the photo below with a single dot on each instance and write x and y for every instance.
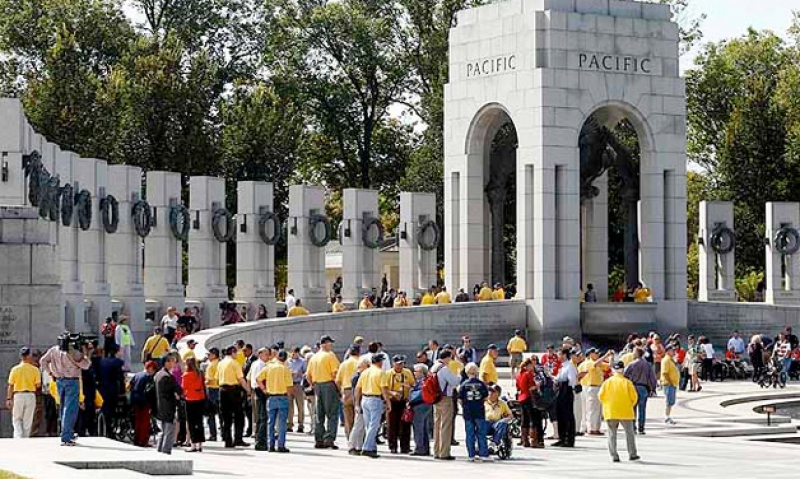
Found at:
(64, 362)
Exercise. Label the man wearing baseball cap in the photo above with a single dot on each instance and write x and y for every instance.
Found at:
(188, 352)
(321, 374)
(24, 381)
(399, 380)
(618, 396)
(488, 370)
(670, 378)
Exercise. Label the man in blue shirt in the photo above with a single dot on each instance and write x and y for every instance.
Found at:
(473, 392)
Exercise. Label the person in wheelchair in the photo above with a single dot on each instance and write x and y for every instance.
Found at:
(498, 416)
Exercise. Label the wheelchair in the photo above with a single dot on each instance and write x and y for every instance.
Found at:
(505, 447)
(121, 427)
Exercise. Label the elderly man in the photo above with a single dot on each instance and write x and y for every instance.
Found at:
(399, 381)
(618, 396)
(488, 369)
(566, 381)
(473, 393)
(497, 414)
(24, 381)
(321, 375)
(372, 398)
(643, 377)
(422, 413)
(168, 393)
(65, 367)
(264, 356)
(355, 441)
(232, 386)
(670, 379)
(591, 373)
(443, 410)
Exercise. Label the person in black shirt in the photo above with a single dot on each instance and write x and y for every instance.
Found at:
(188, 320)
(462, 297)
(110, 383)
(168, 393)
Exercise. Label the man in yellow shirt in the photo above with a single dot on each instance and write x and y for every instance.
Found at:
(488, 370)
(24, 381)
(240, 357)
(344, 379)
(619, 396)
(485, 293)
(365, 302)
(670, 378)
(499, 294)
(372, 398)
(401, 301)
(188, 352)
(212, 390)
(516, 346)
(156, 347)
(591, 373)
(399, 380)
(276, 381)
(297, 310)
(497, 414)
(443, 297)
(429, 297)
(321, 374)
(338, 306)
(231, 382)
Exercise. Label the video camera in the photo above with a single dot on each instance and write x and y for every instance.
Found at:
(74, 342)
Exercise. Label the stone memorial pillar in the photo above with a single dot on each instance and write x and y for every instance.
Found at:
(361, 234)
(13, 144)
(68, 241)
(594, 222)
(213, 227)
(259, 230)
(419, 238)
(309, 233)
(31, 302)
(163, 276)
(124, 248)
(783, 262)
(91, 177)
(716, 252)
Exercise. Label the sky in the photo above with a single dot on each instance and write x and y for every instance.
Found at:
(731, 18)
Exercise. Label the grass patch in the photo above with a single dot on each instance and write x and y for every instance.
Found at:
(9, 475)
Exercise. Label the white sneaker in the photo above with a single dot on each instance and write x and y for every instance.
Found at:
(487, 459)
(471, 459)
(671, 421)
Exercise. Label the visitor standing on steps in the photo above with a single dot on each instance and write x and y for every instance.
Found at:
(516, 347)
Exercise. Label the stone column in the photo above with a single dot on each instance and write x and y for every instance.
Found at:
(13, 144)
(124, 247)
(92, 175)
(717, 272)
(783, 270)
(207, 255)
(255, 259)
(595, 240)
(360, 264)
(31, 302)
(417, 266)
(68, 240)
(306, 261)
(163, 276)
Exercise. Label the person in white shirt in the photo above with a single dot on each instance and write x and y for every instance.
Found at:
(566, 381)
(169, 323)
(736, 343)
(290, 300)
(264, 356)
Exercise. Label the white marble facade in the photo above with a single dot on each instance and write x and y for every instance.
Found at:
(546, 66)
(360, 264)
(417, 265)
(717, 269)
(783, 268)
(255, 259)
(306, 261)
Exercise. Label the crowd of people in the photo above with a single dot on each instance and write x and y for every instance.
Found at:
(239, 391)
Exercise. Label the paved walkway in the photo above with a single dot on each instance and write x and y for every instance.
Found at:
(677, 451)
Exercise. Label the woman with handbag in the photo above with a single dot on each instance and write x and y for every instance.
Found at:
(525, 387)
(195, 395)
(420, 413)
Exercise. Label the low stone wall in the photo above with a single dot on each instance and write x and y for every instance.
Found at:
(404, 330)
(718, 320)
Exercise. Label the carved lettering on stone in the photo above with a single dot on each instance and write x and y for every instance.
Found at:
(8, 321)
(614, 63)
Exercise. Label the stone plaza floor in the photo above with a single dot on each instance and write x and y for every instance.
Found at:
(709, 440)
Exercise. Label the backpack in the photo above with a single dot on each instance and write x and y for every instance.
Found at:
(545, 396)
(431, 392)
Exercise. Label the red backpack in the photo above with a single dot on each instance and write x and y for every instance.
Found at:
(431, 392)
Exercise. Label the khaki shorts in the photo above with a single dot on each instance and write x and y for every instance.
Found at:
(516, 359)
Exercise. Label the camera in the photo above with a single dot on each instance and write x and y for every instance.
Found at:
(74, 342)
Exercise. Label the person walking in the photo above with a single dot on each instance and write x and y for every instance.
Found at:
(421, 412)
(232, 390)
(473, 392)
(275, 381)
(670, 378)
(168, 393)
(641, 374)
(372, 396)
(344, 377)
(124, 340)
(443, 410)
(65, 367)
(143, 400)
(516, 347)
(194, 392)
(321, 375)
(399, 381)
(155, 347)
(297, 398)
(24, 382)
(566, 381)
(618, 396)
(355, 440)
(212, 391)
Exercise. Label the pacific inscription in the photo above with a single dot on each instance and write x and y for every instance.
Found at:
(614, 63)
(491, 66)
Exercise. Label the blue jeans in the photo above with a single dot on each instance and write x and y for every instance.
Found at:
(213, 397)
(278, 407)
(476, 430)
(421, 426)
(498, 430)
(641, 406)
(372, 409)
(669, 395)
(786, 367)
(68, 392)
